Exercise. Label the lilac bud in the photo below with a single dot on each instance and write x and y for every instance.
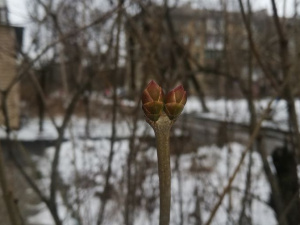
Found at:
(152, 99)
(174, 102)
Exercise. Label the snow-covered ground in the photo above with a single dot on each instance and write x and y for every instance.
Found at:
(203, 175)
(221, 109)
(237, 111)
(199, 178)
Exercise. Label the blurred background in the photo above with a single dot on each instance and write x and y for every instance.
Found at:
(75, 148)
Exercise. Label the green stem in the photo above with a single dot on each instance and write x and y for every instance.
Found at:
(162, 133)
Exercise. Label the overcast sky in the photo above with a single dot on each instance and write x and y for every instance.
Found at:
(18, 9)
(17, 12)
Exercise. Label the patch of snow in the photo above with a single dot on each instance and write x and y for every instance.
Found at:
(237, 110)
(42, 217)
(203, 174)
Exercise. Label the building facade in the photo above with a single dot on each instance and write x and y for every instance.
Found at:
(212, 40)
(8, 69)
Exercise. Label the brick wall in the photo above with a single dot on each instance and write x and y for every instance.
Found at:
(8, 73)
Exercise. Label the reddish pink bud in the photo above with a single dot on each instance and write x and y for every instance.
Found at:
(174, 102)
(152, 99)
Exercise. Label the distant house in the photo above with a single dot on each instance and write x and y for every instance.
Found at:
(9, 37)
(201, 32)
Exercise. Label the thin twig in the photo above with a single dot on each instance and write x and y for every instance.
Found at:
(24, 71)
(237, 168)
(114, 116)
(255, 50)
